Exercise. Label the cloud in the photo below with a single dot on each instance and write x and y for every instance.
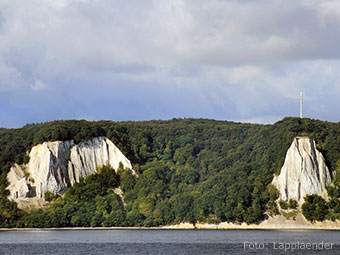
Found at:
(111, 33)
(10, 77)
(39, 85)
(237, 60)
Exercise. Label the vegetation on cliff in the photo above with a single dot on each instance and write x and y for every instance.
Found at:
(189, 170)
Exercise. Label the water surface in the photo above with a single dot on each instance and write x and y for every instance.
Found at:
(169, 242)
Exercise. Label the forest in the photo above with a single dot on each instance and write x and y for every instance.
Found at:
(189, 170)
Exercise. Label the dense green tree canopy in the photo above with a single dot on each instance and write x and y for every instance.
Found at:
(189, 170)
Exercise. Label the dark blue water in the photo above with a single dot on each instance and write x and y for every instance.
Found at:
(169, 242)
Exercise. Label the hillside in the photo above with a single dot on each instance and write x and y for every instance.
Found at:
(189, 170)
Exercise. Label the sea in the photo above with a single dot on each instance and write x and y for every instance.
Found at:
(156, 241)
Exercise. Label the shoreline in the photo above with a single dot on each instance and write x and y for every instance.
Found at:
(189, 226)
(276, 223)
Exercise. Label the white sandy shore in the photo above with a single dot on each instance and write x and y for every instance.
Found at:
(277, 222)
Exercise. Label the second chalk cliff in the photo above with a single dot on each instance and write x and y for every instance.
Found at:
(304, 171)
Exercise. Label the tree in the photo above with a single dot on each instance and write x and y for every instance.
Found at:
(292, 203)
(314, 208)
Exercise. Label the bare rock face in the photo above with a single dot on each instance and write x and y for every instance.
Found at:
(17, 182)
(304, 171)
(54, 166)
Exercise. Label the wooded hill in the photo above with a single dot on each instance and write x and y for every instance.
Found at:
(189, 170)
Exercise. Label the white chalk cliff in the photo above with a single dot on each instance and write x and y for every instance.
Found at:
(54, 166)
(304, 171)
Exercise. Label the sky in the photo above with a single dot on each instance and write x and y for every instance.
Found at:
(237, 60)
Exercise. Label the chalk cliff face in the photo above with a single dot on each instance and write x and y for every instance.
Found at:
(54, 166)
(304, 171)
